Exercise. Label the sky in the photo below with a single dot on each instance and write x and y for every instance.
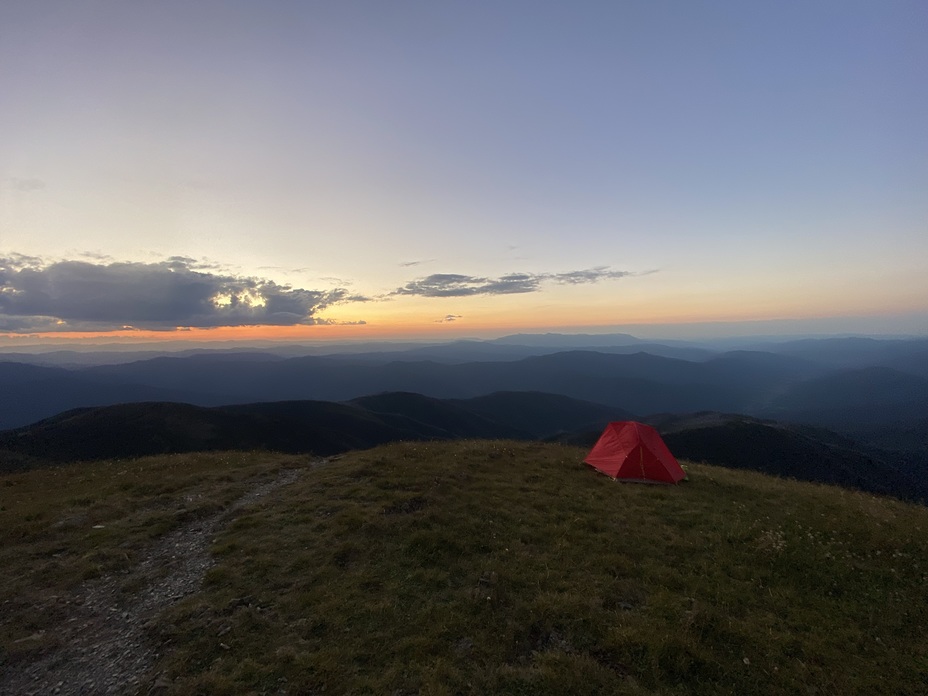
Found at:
(414, 169)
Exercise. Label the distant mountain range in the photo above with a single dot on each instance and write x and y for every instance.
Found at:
(327, 428)
(873, 392)
(847, 384)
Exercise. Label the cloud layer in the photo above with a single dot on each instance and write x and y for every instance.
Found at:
(179, 292)
(100, 294)
(455, 285)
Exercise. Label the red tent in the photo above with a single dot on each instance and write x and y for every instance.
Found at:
(634, 452)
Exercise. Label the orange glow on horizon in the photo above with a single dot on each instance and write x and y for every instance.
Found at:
(491, 324)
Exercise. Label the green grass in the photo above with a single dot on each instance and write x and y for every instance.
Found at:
(65, 525)
(510, 568)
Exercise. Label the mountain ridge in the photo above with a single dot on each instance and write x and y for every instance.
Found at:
(326, 428)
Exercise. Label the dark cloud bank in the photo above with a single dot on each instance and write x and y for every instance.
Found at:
(179, 292)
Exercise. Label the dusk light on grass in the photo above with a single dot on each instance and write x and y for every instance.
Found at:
(366, 170)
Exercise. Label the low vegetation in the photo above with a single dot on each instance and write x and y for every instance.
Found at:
(63, 526)
(479, 567)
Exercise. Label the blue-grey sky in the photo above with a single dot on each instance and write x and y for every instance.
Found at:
(509, 164)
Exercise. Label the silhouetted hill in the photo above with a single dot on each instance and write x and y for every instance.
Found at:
(307, 377)
(906, 438)
(913, 363)
(484, 351)
(325, 428)
(562, 341)
(763, 369)
(802, 452)
(137, 429)
(805, 454)
(854, 399)
(454, 418)
(543, 415)
(14, 373)
(851, 352)
(29, 393)
(320, 427)
(785, 387)
(76, 358)
(638, 383)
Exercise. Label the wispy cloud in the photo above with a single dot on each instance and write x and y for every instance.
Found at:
(97, 256)
(27, 184)
(409, 264)
(36, 295)
(456, 285)
(590, 275)
(448, 318)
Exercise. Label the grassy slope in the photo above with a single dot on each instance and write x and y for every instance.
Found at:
(61, 526)
(502, 567)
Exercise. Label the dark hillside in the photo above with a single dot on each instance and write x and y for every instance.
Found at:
(638, 382)
(910, 437)
(850, 352)
(16, 373)
(308, 377)
(848, 400)
(29, 393)
(761, 373)
(140, 429)
(460, 352)
(324, 428)
(448, 416)
(762, 384)
(320, 427)
(568, 341)
(914, 363)
(543, 415)
(800, 453)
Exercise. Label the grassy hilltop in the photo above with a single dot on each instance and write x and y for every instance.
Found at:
(479, 567)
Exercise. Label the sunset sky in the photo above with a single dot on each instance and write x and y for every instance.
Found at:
(472, 168)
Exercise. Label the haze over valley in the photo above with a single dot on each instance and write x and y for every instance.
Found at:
(864, 398)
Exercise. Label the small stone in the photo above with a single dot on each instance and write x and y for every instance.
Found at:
(162, 684)
(34, 636)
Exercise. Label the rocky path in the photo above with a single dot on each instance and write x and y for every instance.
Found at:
(104, 645)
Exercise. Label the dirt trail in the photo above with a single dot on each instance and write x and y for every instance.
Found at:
(104, 645)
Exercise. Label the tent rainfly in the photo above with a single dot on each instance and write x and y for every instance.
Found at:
(634, 452)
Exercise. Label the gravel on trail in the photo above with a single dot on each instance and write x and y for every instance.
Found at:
(104, 645)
